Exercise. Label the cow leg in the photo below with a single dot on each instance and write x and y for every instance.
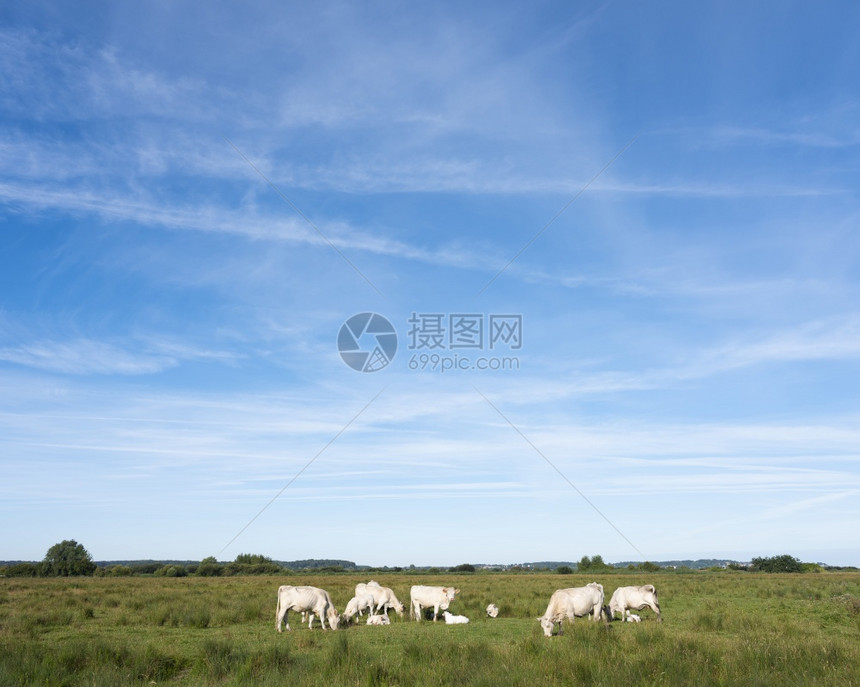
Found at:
(282, 616)
(560, 628)
(310, 621)
(435, 612)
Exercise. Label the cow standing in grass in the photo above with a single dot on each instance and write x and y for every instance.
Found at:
(312, 600)
(567, 604)
(384, 600)
(438, 597)
(634, 598)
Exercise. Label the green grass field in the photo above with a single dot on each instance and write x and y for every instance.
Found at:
(718, 629)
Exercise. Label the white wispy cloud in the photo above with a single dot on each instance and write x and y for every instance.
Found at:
(83, 356)
(831, 339)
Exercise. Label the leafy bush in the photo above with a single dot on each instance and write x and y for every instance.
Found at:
(67, 558)
(564, 570)
(593, 564)
(777, 564)
(209, 567)
(114, 571)
(22, 570)
(463, 568)
(247, 564)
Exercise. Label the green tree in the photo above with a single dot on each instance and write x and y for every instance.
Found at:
(21, 570)
(593, 564)
(209, 567)
(68, 558)
(777, 564)
(463, 567)
(252, 559)
(564, 570)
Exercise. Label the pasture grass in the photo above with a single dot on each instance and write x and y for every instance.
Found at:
(718, 629)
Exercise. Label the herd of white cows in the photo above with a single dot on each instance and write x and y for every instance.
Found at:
(376, 600)
(567, 604)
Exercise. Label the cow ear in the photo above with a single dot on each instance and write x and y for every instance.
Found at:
(456, 591)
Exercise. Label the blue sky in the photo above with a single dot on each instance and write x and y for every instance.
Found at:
(192, 203)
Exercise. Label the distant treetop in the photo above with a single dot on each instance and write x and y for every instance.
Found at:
(67, 558)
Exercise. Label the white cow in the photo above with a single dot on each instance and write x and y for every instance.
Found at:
(438, 597)
(356, 605)
(455, 619)
(311, 599)
(567, 604)
(632, 617)
(384, 600)
(635, 598)
(362, 587)
(493, 611)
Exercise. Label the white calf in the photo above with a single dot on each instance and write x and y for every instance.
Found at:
(455, 619)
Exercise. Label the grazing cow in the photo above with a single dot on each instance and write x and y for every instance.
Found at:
(567, 604)
(455, 619)
(300, 599)
(635, 598)
(493, 611)
(378, 620)
(438, 597)
(356, 605)
(383, 599)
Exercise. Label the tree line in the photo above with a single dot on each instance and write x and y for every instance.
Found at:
(69, 558)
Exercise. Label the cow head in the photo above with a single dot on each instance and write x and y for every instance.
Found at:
(546, 624)
(333, 618)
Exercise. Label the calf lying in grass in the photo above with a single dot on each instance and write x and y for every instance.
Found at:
(455, 619)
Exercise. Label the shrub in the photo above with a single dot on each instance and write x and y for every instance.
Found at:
(593, 564)
(22, 570)
(68, 558)
(777, 564)
(209, 567)
(463, 568)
